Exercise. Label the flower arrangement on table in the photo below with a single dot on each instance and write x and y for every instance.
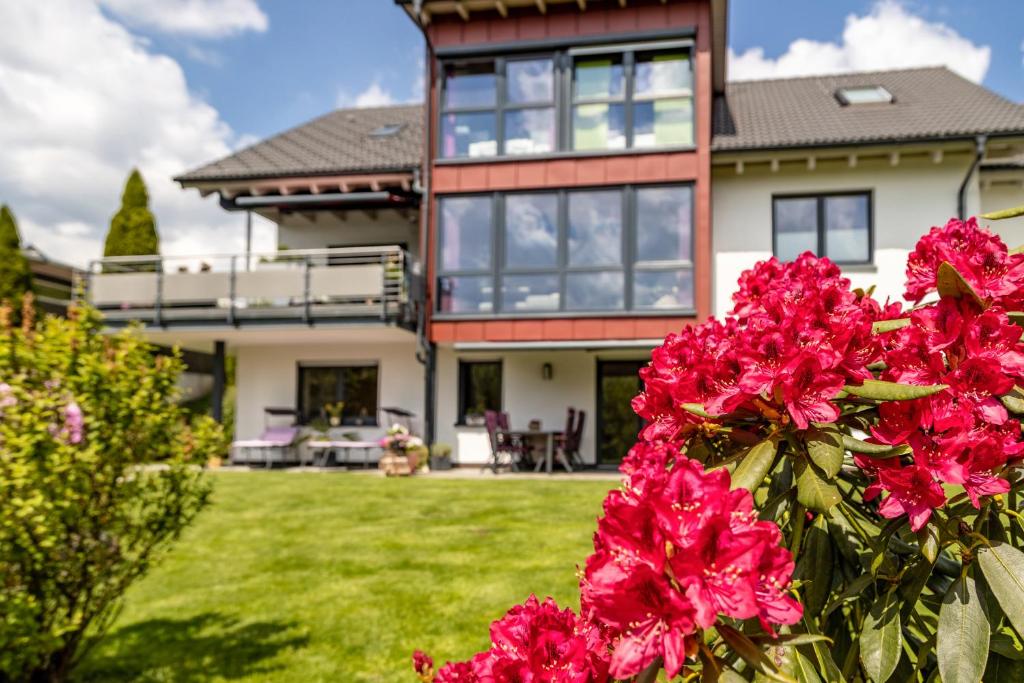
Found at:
(398, 439)
(826, 488)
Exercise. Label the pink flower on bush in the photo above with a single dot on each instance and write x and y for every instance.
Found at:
(423, 665)
(979, 256)
(74, 423)
(675, 552)
(536, 642)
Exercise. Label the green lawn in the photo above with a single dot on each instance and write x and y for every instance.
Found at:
(338, 577)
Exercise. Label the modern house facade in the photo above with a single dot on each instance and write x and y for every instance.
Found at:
(581, 181)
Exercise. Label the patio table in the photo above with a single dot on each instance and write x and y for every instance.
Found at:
(549, 442)
(322, 449)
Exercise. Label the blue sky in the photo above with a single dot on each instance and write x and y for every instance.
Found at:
(90, 89)
(316, 54)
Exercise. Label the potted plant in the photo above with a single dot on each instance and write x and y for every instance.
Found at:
(402, 451)
(334, 411)
(440, 456)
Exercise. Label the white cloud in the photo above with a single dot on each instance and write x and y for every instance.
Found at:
(888, 37)
(375, 95)
(204, 18)
(82, 101)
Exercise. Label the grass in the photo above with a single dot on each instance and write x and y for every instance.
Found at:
(338, 577)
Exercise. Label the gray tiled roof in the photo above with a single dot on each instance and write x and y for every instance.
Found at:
(929, 103)
(336, 143)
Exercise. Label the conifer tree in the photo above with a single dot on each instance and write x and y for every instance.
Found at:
(15, 275)
(133, 227)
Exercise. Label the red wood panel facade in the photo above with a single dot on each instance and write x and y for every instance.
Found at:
(614, 169)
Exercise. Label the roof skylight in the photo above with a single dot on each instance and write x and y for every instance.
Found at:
(864, 94)
(387, 130)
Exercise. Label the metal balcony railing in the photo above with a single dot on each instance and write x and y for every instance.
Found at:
(307, 285)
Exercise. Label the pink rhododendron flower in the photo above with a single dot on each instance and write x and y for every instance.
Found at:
(675, 550)
(74, 423)
(423, 665)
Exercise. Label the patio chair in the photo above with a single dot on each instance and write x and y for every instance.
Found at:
(504, 452)
(567, 445)
(279, 439)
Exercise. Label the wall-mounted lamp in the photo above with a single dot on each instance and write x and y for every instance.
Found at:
(546, 371)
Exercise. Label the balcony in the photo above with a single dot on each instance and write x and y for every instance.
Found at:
(308, 286)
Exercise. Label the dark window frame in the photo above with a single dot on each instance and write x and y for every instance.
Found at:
(464, 369)
(628, 266)
(301, 418)
(822, 228)
(564, 101)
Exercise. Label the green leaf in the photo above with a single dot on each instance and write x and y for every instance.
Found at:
(825, 447)
(1013, 401)
(881, 638)
(805, 672)
(812, 489)
(1003, 644)
(697, 409)
(879, 390)
(755, 465)
(929, 542)
(1003, 214)
(791, 639)
(730, 676)
(751, 653)
(882, 326)
(1003, 670)
(1016, 317)
(875, 450)
(650, 674)
(951, 283)
(815, 566)
(1003, 567)
(963, 635)
(823, 653)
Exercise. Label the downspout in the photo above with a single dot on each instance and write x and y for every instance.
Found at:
(961, 198)
(426, 351)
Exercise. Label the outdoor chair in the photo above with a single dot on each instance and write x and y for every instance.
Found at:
(273, 440)
(506, 450)
(567, 445)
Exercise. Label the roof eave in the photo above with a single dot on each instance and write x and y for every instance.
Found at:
(876, 142)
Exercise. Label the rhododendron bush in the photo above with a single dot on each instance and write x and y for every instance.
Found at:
(826, 488)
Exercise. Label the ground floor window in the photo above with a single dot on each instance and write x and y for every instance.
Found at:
(834, 225)
(479, 389)
(348, 391)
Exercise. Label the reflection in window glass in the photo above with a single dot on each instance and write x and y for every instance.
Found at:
(529, 131)
(530, 80)
(662, 74)
(598, 78)
(529, 293)
(531, 230)
(601, 291)
(354, 386)
(466, 233)
(598, 126)
(466, 294)
(796, 227)
(663, 224)
(469, 135)
(847, 233)
(595, 228)
(654, 289)
(663, 123)
(472, 85)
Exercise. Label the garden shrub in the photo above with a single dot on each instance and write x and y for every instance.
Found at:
(98, 475)
(133, 227)
(826, 488)
(15, 273)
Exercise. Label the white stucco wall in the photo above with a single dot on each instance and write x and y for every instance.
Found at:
(295, 231)
(908, 199)
(267, 375)
(1004, 190)
(525, 395)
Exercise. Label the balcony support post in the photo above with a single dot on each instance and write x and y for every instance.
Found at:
(219, 376)
(306, 311)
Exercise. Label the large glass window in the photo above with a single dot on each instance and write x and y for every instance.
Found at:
(581, 251)
(835, 225)
(613, 99)
(479, 389)
(352, 388)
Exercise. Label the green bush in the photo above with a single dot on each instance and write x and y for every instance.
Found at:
(133, 227)
(98, 475)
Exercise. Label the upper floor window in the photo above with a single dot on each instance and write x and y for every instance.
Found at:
(593, 250)
(590, 99)
(834, 225)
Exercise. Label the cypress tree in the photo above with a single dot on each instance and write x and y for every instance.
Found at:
(15, 275)
(133, 227)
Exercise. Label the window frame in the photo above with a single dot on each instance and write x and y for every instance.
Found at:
(463, 376)
(301, 366)
(822, 229)
(564, 101)
(628, 265)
